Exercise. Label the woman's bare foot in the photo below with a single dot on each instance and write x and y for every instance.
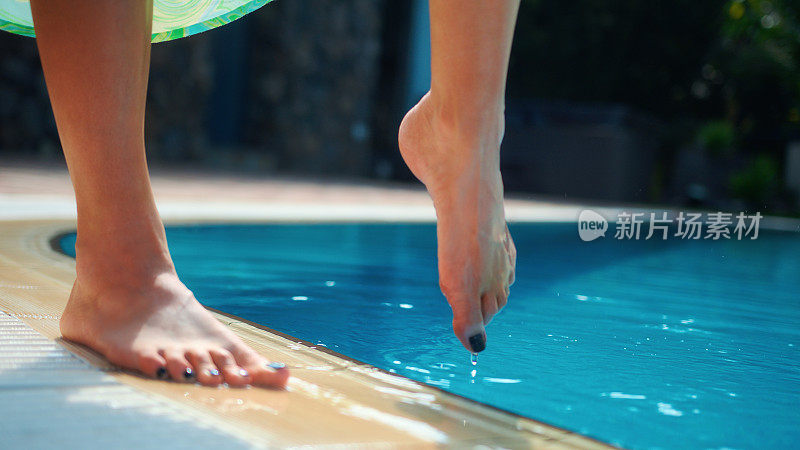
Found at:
(127, 302)
(458, 161)
(130, 306)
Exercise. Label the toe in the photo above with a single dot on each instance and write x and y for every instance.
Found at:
(262, 372)
(512, 259)
(178, 366)
(233, 374)
(270, 374)
(502, 299)
(468, 321)
(152, 364)
(207, 372)
(488, 307)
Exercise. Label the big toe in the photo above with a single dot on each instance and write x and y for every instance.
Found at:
(262, 372)
(269, 374)
(468, 323)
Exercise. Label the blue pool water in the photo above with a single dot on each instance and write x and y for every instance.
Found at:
(643, 344)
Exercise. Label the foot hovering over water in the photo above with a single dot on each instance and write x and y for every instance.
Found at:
(459, 164)
(451, 141)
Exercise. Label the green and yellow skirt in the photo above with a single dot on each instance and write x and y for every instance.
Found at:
(172, 19)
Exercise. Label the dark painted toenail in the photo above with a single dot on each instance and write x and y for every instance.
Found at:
(276, 365)
(188, 374)
(213, 372)
(161, 373)
(477, 342)
(243, 373)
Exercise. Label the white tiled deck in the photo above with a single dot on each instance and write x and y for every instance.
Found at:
(52, 399)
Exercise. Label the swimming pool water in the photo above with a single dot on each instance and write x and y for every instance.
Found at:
(642, 344)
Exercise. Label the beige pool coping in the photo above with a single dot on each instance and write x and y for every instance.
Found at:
(332, 400)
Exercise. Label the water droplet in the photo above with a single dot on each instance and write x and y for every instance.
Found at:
(300, 298)
(474, 359)
(330, 283)
(406, 306)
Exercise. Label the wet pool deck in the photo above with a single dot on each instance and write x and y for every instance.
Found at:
(55, 392)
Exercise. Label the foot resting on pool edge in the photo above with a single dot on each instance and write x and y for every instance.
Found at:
(458, 160)
(135, 311)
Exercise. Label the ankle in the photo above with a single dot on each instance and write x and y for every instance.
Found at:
(121, 256)
(116, 270)
(446, 149)
(473, 124)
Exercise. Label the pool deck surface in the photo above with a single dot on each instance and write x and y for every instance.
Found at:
(56, 392)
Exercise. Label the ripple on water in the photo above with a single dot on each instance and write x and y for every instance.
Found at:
(625, 396)
(590, 298)
(502, 380)
(667, 410)
(417, 369)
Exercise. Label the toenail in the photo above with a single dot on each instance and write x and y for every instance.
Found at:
(161, 373)
(276, 365)
(212, 372)
(243, 373)
(188, 374)
(477, 342)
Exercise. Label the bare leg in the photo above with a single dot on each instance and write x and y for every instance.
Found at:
(127, 302)
(451, 142)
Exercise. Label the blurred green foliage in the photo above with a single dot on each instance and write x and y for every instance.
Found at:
(713, 60)
(755, 68)
(717, 137)
(720, 74)
(758, 183)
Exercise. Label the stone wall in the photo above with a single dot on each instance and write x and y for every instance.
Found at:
(313, 82)
(290, 87)
(27, 126)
